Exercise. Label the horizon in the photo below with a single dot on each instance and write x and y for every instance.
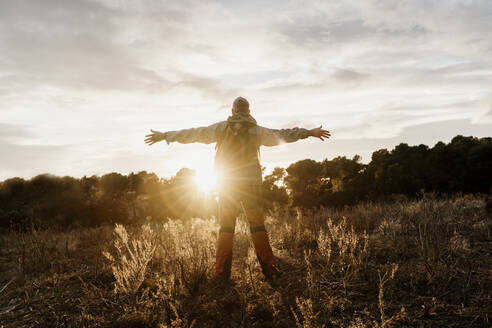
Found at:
(202, 175)
(84, 81)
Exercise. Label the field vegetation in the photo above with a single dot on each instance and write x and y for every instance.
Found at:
(401, 263)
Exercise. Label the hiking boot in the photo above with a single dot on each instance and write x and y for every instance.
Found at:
(218, 282)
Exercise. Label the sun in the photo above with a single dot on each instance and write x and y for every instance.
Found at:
(206, 180)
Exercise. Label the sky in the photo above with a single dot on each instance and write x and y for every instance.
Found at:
(82, 82)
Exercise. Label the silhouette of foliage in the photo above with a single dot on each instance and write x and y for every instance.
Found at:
(461, 166)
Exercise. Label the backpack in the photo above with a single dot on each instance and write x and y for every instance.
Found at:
(237, 152)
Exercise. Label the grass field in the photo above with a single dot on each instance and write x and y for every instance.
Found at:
(425, 263)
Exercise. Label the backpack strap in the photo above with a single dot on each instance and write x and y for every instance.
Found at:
(220, 134)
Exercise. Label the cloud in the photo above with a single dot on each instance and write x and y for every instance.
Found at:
(393, 118)
(70, 44)
(22, 159)
(30, 160)
(485, 116)
(10, 132)
(209, 88)
(98, 73)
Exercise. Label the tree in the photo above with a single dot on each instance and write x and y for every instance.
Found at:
(274, 192)
(340, 177)
(304, 182)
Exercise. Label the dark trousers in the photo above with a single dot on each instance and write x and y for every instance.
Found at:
(232, 200)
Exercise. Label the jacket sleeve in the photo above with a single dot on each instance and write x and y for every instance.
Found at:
(206, 135)
(273, 137)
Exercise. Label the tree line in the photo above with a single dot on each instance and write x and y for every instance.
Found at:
(460, 166)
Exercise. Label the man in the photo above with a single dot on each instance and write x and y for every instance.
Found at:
(238, 140)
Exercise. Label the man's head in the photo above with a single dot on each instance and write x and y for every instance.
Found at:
(240, 106)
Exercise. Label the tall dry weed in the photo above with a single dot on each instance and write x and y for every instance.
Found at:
(386, 321)
(132, 254)
(343, 250)
(309, 317)
(187, 253)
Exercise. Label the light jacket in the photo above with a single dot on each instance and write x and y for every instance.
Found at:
(264, 136)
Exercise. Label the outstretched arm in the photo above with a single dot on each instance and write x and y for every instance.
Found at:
(273, 137)
(206, 134)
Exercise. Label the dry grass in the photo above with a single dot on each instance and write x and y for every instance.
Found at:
(420, 263)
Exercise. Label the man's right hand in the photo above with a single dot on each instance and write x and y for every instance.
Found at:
(319, 133)
(154, 137)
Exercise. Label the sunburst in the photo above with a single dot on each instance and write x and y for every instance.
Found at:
(206, 180)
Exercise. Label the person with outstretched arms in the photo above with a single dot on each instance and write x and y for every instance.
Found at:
(238, 140)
